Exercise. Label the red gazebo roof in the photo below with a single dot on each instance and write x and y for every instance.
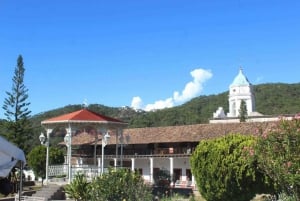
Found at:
(82, 116)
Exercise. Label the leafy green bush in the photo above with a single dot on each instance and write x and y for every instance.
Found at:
(225, 169)
(120, 184)
(278, 152)
(78, 188)
(285, 197)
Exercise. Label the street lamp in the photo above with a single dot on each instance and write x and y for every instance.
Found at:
(105, 140)
(67, 140)
(45, 141)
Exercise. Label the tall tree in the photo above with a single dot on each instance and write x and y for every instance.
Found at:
(18, 126)
(243, 113)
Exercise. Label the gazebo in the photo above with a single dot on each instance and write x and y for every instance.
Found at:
(99, 125)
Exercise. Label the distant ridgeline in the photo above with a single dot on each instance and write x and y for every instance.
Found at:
(271, 100)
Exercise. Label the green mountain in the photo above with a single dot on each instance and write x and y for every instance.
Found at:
(271, 99)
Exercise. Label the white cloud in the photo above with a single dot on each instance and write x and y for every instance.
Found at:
(191, 90)
(136, 102)
(160, 104)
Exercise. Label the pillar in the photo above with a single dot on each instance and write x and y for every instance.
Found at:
(171, 168)
(69, 153)
(151, 170)
(47, 154)
(115, 163)
(132, 164)
(99, 166)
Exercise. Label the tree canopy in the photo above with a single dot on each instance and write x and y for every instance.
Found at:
(37, 159)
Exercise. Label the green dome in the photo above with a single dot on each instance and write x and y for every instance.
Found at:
(240, 80)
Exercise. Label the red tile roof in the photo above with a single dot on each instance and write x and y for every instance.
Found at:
(173, 134)
(82, 116)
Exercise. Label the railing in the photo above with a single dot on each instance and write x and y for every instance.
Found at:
(172, 150)
(131, 153)
(29, 198)
(56, 170)
(90, 171)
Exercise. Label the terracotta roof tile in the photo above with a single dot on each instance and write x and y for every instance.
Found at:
(83, 115)
(171, 134)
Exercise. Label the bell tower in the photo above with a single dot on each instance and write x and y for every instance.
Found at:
(240, 89)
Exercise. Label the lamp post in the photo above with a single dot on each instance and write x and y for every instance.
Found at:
(67, 140)
(45, 141)
(105, 140)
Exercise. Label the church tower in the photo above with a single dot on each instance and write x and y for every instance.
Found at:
(240, 89)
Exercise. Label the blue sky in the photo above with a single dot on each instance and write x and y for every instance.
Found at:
(151, 53)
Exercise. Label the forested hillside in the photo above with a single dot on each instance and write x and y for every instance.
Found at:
(271, 99)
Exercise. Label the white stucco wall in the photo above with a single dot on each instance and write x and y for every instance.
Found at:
(162, 163)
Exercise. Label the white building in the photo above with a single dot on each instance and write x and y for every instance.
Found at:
(240, 90)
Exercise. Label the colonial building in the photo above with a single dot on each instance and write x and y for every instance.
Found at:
(146, 150)
(149, 150)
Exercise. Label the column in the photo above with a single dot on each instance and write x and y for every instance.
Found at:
(172, 169)
(120, 131)
(132, 164)
(47, 154)
(151, 170)
(69, 153)
(95, 148)
(115, 163)
(117, 148)
(99, 166)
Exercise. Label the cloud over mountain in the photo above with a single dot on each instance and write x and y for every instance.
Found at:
(192, 89)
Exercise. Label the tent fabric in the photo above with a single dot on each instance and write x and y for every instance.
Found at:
(9, 156)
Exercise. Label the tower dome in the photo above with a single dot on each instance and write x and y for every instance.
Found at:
(240, 80)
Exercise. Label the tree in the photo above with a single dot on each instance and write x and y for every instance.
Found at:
(243, 113)
(37, 159)
(225, 169)
(120, 184)
(278, 152)
(18, 126)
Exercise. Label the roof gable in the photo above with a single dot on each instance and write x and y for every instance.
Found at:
(83, 115)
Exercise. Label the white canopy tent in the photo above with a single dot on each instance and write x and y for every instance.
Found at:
(9, 156)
